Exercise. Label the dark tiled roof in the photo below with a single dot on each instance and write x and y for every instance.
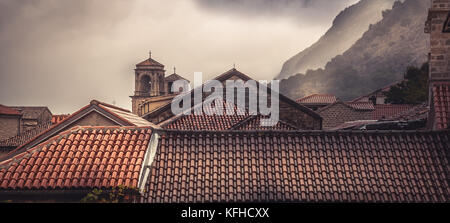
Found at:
(361, 105)
(254, 123)
(441, 104)
(318, 99)
(204, 121)
(25, 136)
(81, 158)
(418, 112)
(5, 110)
(30, 112)
(300, 167)
(388, 110)
(378, 92)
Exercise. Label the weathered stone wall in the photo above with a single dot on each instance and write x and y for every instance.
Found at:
(440, 40)
(9, 126)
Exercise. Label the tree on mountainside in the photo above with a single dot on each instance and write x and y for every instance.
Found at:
(413, 90)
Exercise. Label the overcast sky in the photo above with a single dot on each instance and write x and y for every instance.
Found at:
(63, 53)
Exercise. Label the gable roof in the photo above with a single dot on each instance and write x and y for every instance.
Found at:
(357, 106)
(441, 105)
(58, 118)
(5, 110)
(80, 158)
(284, 166)
(121, 117)
(174, 77)
(319, 99)
(226, 76)
(149, 62)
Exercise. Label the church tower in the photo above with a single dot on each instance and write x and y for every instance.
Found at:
(438, 26)
(151, 88)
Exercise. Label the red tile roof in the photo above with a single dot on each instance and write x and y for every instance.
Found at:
(318, 99)
(441, 105)
(361, 105)
(81, 158)
(5, 110)
(58, 118)
(389, 110)
(300, 167)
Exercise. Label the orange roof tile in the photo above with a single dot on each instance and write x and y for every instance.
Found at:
(81, 158)
(318, 99)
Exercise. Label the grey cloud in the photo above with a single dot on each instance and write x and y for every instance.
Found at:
(303, 10)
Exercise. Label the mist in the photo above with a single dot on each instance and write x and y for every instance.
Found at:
(64, 53)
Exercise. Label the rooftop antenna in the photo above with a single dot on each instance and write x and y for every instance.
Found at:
(234, 65)
(150, 54)
(174, 70)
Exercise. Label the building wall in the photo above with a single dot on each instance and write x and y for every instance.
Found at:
(440, 41)
(9, 126)
(339, 113)
(93, 119)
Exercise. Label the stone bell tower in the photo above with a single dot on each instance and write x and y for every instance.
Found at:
(152, 89)
(149, 81)
(438, 26)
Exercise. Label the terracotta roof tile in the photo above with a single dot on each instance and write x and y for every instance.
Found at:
(58, 118)
(67, 161)
(441, 104)
(361, 105)
(389, 110)
(318, 99)
(300, 167)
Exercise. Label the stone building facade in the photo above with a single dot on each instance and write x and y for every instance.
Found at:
(438, 26)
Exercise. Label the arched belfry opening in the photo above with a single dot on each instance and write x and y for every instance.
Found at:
(145, 85)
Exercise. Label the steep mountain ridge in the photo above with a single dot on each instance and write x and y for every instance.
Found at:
(379, 58)
(347, 28)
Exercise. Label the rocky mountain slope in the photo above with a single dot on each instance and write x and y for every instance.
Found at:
(379, 58)
(347, 28)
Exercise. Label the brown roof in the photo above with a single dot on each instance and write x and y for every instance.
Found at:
(300, 167)
(81, 158)
(254, 123)
(418, 112)
(174, 77)
(441, 105)
(149, 62)
(318, 99)
(204, 121)
(5, 110)
(361, 105)
(25, 136)
(31, 112)
(388, 110)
